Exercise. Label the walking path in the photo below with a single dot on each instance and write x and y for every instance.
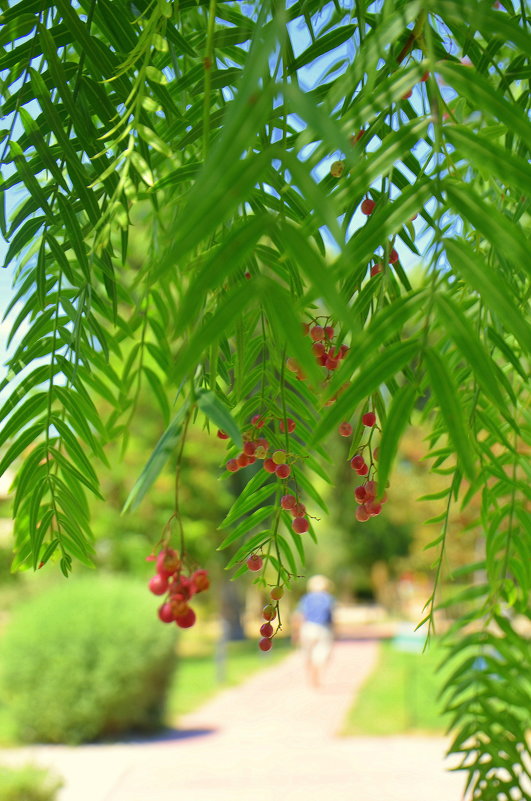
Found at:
(271, 739)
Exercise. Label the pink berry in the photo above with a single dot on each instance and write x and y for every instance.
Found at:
(232, 466)
(362, 514)
(363, 470)
(168, 562)
(266, 630)
(158, 585)
(283, 470)
(254, 562)
(221, 435)
(200, 581)
(367, 206)
(329, 332)
(357, 461)
(269, 466)
(300, 525)
(317, 333)
(269, 612)
(318, 349)
(187, 620)
(360, 494)
(265, 644)
(299, 510)
(165, 613)
(288, 501)
(373, 508)
(345, 429)
(291, 425)
(368, 419)
(370, 488)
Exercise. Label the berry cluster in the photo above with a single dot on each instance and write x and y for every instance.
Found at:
(171, 581)
(367, 492)
(270, 611)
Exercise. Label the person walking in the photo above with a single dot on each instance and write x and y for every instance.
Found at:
(313, 627)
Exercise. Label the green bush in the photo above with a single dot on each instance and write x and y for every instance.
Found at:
(86, 660)
(28, 783)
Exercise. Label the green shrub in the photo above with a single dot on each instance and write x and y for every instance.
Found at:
(85, 660)
(28, 783)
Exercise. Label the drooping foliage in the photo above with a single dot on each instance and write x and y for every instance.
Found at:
(247, 139)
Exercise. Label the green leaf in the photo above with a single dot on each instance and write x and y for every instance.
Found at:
(246, 502)
(246, 525)
(377, 372)
(482, 278)
(461, 331)
(395, 424)
(160, 455)
(446, 392)
(219, 413)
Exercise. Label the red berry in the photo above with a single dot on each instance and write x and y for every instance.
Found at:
(370, 488)
(373, 508)
(363, 470)
(376, 268)
(265, 644)
(299, 510)
(362, 514)
(168, 562)
(283, 470)
(292, 365)
(345, 429)
(232, 465)
(343, 350)
(221, 435)
(187, 620)
(367, 206)
(249, 448)
(269, 612)
(317, 333)
(318, 349)
(200, 581)
(242, 460)
(263, 443)
(277, 593)
(288, 501)
(357, 461)
(258, 421)
(300, 525)
(322, 359)
(165, 613)
(425, 77)
(291, 425)
(368, 419)
(360, 494)
(306, 328)
(393, 256)
(266, 630)
(331, 363)
(158, 585)
(254, 562)
(329, 332)
(247, 275)
(269, 465)
(407, 95)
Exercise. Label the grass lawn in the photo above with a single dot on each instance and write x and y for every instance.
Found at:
(199, 675)
(400, 696)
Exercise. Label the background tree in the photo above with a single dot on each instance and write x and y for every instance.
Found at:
(286, 160)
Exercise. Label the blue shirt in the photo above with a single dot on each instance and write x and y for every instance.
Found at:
(317, 607)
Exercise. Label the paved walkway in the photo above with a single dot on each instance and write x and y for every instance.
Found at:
(271, 739)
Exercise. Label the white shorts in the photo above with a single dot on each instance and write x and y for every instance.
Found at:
(316, 642)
